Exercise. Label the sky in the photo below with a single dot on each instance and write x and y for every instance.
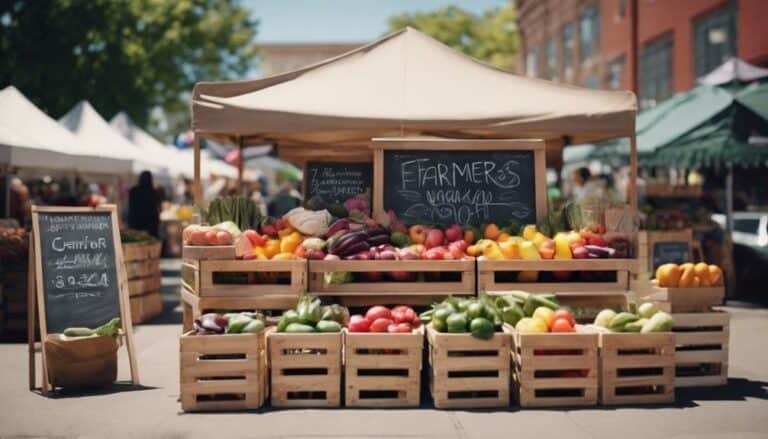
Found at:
(341, 21)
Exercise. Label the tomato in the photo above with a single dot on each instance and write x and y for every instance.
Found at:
(381, 325)
(210, 238)
(378, 312)
(434, 254)
(403, 314)
(399, 328)
(562, 313)
(562, 325)
(456, 252)
(358, 323)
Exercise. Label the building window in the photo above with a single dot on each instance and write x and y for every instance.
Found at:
(714, 39)
(532, 62)
(589, 32)
(656, 71)
(552, 59)
(592, 82)
(568, 51)
(622, 8)
(614, 77)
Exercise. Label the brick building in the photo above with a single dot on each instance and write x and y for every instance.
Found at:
(587, 42)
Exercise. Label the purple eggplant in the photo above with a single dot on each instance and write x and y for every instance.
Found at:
(600, 252)
(337, 226)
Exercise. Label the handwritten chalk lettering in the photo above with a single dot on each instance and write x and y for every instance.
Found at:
(77, 295)
(79, 261)
(423, 173)
(82, 280)
(60, 245)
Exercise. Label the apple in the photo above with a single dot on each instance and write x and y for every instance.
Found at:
(460, 244)
(418, 234)
(453, 233)
(435, 254)
(434, 239)
(547, 249)
(402, 276)
(455, 252)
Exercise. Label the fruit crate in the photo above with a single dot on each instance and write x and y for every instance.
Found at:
(586, 306)
(467, 372)
(424, 277)
(637, 368)
(383, 370)
(680, 300)
(305, 369)
(145, 285)
(701, 355)
(208, 252)
(223, 372)
(555, 369)
(145, 268)
(500, 276)
(244, 278)
(146, 307)
(140, 251)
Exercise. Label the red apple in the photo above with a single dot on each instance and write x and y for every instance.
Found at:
(547, 249)
(434, 239)
(453, 233)
(460, 244)
(435, 254)
(455, 252)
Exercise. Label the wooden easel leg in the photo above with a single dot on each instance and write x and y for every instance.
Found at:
(31, 317)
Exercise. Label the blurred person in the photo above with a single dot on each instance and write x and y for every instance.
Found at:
(19, 202)
(144, 205)
(582, 185)
(258, 197)
(286, 198)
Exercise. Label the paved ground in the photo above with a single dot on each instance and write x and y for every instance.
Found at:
(739, 410)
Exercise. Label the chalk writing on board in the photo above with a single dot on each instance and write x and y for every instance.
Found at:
(461, 187)
(337, 182)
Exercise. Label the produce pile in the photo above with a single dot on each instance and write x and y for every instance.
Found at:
(14, 245)
(535, 313)
(689, 275)
(111, 328)
(230, 323)
(311, 316)
(400, 319)
(647, 319)
(130, 236)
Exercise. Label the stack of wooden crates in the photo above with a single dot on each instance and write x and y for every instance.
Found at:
(142, 266)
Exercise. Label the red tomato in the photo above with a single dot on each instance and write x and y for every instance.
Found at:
(210, 238)
(456, 252)
(400, 327)
(416, 322)
(252, 236)
(562, 313)
(403, 314)
(562, 325)
(358, 323)
(381, 325)
(378, 312)
(434, 254)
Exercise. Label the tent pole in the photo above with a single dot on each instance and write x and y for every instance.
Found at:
(728, 266)
(632, 187)
(240, 166)
(197, 190)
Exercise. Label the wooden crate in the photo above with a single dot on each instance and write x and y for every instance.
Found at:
(305, 369)
(240, 278)
(145, 285)
(467, 372)
(383, 370)
(208, 252)
(680, 300)
(553, 370)
(199, 305)
(139, 251)
(146, 307)
(701, 355)
(223, 372)
(499, 276)
(145, 268)
(637, 368)
(586, 306)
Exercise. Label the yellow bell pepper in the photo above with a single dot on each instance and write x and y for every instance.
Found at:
(289, 243)
(529, 232)
(529, 251)
(260, 253)
(492, 251)
(473, 250)
(538, 238)
(283, 256)
(285, 232)
(510, 249)
(562, 249)
(503, 237)
(272, 248)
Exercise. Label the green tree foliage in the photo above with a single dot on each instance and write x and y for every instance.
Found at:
(131, 55)
(492, 37)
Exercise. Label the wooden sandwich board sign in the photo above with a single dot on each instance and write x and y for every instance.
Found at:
(76, 277)
(673, 246)
(461, 181)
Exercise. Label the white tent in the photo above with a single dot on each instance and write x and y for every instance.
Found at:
(734, 69)
(174, 159)
(31, 138)
(94, 132)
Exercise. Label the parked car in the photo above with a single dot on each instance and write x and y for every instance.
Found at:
(750, 251)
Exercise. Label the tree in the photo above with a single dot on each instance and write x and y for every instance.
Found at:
(492, 37)
(132, 55)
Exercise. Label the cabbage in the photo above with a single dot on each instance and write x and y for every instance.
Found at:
(337, 277)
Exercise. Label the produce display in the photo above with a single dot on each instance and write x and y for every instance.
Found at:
(130, 236)
(400, 319)
(689, 275)
(311, 316)
(229, 323)
(535, 313)
(111, 328)
(477, 316)
(14, 245)
(647, 319)
(242, 211)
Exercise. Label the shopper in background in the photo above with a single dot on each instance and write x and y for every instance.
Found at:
(144, 205)
(582, 185)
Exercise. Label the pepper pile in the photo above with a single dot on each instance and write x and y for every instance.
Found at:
(230, 323)
(311, 316)
(382, 319)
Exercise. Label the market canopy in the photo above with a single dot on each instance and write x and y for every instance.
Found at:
(405, 83)
(33, 139)
(733, 70)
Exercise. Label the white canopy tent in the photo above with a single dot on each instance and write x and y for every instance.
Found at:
(734, 69)
(94, 132)
(31, 138)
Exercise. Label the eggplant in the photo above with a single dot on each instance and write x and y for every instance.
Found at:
(337, 226)
(600, 252)
(377, 240)
(340, 247)
(353, 248)
(210, 323)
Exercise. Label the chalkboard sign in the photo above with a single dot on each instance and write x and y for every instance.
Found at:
(333, 182)
(463, 187)
(670, 252)
(80, 282)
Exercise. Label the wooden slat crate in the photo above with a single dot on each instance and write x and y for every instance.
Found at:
(383, 370)
(139, 251)
(500, 276)
(145, 268)
(146, 307)
(223, 372)
(145, 285)
(445, 277)
(701, 356)
(637, 368)
(467, 372)
(680, 300)
(240, 278)
(305, 369)
(209, 252)
(553, 370)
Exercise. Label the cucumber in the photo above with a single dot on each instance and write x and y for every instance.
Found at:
(635, 326)
(299, 328)
(536, 300)
(659, 322)
(79, 332)
(328, 326)
(621, 320)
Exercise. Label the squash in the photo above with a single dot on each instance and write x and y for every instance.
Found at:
(696, 281)
(702, 271)
(715, 276)
(686, 276)
(668, 275)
